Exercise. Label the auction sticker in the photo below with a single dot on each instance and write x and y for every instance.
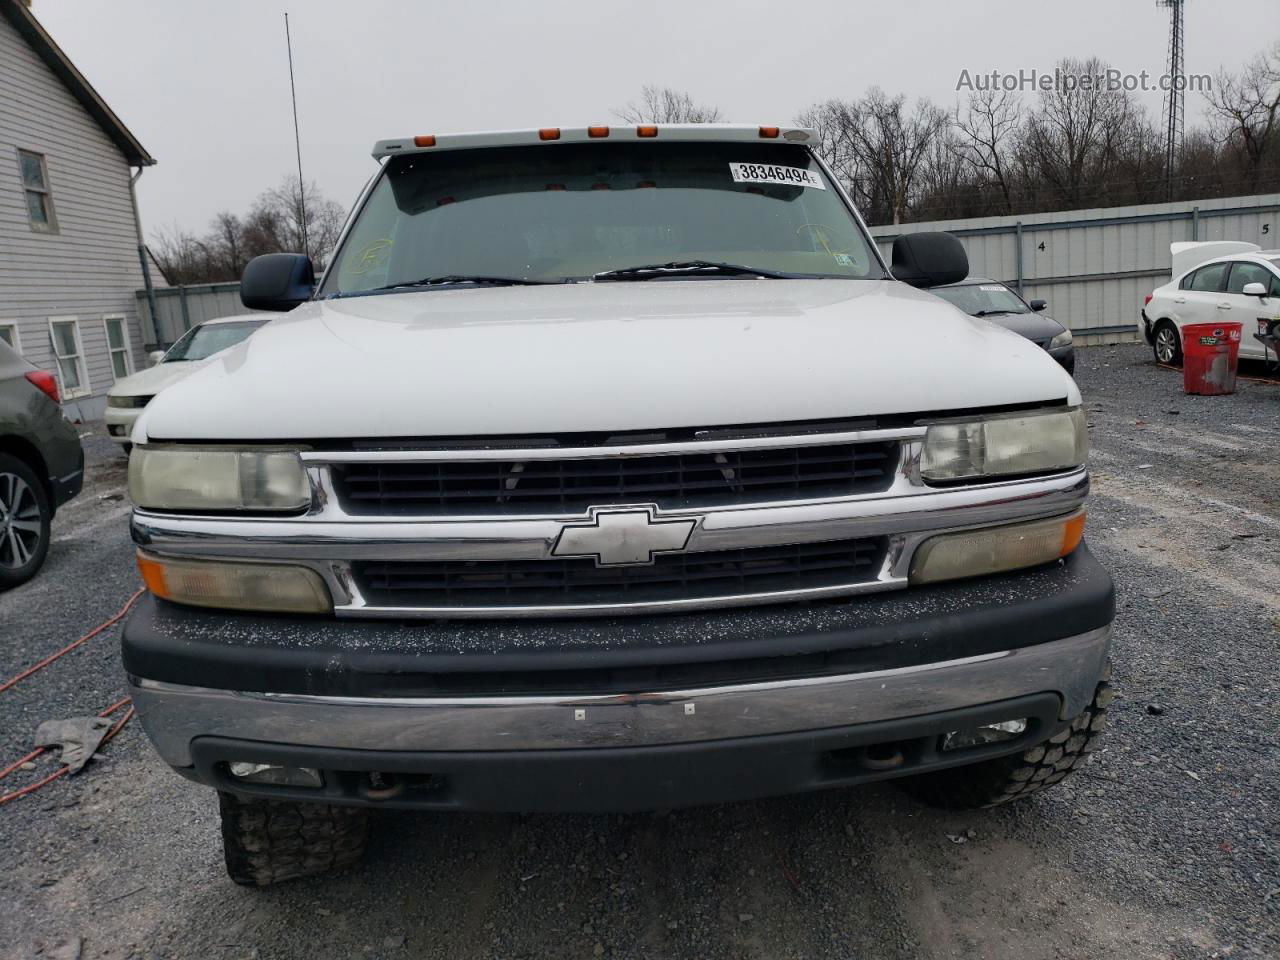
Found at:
(772, 173)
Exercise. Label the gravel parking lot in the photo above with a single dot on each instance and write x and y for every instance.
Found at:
(1167, 845)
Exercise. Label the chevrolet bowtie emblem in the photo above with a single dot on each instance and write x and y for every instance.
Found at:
(622, 536)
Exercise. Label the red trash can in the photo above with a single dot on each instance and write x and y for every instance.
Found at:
(1209, 355)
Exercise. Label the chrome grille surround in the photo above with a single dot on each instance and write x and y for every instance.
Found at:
(329, 540)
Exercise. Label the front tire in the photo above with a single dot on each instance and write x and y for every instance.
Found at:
(1166, 344)
(1001, 780)
(25, 517)
(267, 841)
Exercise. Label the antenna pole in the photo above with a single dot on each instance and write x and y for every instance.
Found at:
(297, 140)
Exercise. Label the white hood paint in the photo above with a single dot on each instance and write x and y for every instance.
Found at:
(603, 357)
(152, 380)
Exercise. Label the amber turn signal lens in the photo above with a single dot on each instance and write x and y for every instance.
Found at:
(427, 140)
(646, 131)
(228, 585)
(987, 550)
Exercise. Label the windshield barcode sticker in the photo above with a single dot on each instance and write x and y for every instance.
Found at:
(772, 173)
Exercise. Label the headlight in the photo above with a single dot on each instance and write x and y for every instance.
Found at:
(975, 553)
(128, 403)
(1061, 340)
(272, 587)
(1004, 445)
(195, 478)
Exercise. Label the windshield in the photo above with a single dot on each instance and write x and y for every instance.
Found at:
(980, 299)
(202, 342)
(571, 211)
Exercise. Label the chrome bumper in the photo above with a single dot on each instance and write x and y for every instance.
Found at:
(174, 715)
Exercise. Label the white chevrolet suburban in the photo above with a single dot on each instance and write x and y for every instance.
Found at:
(610, 468)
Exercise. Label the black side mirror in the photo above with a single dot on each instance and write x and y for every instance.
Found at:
(277, 281)
(1038, 305)
(929, 259)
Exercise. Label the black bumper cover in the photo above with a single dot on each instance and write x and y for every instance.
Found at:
(325, 656)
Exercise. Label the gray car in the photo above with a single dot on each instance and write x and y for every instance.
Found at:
(999, 303)
(41, 465)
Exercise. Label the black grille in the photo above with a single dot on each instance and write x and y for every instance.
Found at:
(573, 582)
(678, 480)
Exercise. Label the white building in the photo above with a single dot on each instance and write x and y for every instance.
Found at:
(69, 235)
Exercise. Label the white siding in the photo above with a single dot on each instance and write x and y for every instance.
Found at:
(90, 266)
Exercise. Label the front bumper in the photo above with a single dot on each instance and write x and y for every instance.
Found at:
(691, 709)
(120, 421)
(176, 716)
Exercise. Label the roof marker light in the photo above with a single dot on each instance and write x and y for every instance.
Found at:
(646, 130)
(426, 140)
(549, 133)
(769, 133)
(597, 131)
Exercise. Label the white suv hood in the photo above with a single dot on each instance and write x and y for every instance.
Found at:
(603, 357)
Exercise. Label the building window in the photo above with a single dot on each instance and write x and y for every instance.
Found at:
(9, 334)
(118, 346)
(72, 377)
(35, 183)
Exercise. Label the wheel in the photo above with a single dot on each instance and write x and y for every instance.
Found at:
(1166, 344)
(1002, 779)
(25, 514)
(266, 841)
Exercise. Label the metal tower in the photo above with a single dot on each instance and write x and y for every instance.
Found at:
(1175, 96)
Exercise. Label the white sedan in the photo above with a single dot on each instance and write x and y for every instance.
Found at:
(1215, 282)
(127, 398)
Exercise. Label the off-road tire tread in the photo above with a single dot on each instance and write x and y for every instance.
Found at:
(1001, 780)
(267, 841)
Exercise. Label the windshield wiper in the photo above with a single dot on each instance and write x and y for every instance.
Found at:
(451, 278)
(687, 268)
(993, 313)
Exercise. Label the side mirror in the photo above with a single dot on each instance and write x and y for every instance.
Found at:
(1255, 289)
(277, 281)
(155, 356)
(929, 259)
(1038, 305)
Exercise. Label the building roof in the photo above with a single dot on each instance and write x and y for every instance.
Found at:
(29, 29)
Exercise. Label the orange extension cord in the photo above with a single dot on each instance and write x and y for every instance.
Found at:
(115, 728)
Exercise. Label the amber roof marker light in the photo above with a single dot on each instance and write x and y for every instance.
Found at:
(549, 133)
(769, 133)
(426, 140)
(597, 132)
(646, 130)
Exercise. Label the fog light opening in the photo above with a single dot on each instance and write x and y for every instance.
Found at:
(987, 733)
(275, 775)
(381, 786)
(882, 756)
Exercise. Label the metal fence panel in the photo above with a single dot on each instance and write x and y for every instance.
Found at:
(181, 308)
(1096, 266)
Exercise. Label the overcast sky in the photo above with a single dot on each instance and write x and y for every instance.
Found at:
(205, 85)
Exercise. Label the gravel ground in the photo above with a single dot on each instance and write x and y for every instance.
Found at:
(1167, 845)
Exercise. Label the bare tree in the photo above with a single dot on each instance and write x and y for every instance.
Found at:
(987, 129)
(1071, 139)
(1244, 111)
(272, 225)
(665, 105)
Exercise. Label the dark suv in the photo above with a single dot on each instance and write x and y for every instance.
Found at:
(41, 465)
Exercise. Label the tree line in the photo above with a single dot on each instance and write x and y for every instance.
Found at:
(996, 152)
